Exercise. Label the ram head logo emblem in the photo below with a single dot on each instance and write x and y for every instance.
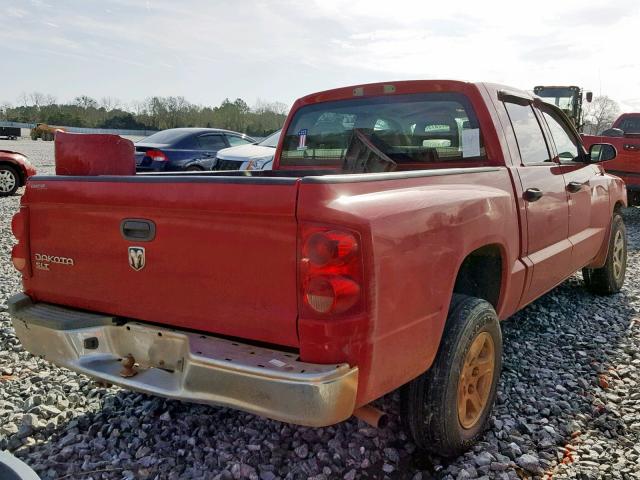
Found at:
(136, 258)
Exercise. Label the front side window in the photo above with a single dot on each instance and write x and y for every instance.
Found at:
(235, 141)
(413, 129)
(566, 144)
(271, 140)
(630, 125)
(531, 141)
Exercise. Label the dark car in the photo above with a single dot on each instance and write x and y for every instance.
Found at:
(184, 148)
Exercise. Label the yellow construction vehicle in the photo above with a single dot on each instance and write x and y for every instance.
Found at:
(44, 131)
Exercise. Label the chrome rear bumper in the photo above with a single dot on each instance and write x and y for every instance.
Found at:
(188, 366)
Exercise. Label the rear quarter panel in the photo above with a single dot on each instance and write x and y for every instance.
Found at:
(416, 233)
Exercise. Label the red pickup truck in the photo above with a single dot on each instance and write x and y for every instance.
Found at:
(624, 135)
(400, 223)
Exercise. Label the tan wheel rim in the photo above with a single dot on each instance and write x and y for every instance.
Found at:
(618, 255)
(476, 379)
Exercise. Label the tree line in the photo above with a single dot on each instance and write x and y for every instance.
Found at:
(153, 113)
(159, 113)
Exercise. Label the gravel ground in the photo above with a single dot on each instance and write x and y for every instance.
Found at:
(568, 405)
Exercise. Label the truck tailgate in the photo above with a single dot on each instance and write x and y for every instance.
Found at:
(223, 259)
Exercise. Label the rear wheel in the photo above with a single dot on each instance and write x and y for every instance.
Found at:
(610, 278)
(446, 408)
(9, 180)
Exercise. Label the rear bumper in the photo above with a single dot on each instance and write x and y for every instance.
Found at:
(188, 366)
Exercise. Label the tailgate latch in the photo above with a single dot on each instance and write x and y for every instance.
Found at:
(138, 229)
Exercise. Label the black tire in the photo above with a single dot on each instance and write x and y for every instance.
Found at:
(429, 403)
(610, 278)
(9, 180)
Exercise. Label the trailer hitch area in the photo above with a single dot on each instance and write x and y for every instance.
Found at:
(128, 367)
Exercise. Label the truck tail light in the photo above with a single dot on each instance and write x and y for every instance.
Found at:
(156, 155)
(323, 248)
(332, 294)
(330, 272)
(20, 253)
(18, 258)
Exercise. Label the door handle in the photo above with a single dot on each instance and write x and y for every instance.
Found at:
(532, 194)
(138, 229)
(574, 187)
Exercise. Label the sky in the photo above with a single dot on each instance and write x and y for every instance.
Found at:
(279, 50)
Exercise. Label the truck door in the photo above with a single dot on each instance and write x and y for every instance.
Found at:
(586, 188)
(548, 250)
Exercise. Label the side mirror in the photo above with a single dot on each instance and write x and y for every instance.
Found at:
(613, 132)
(602, 152)
(589, 97)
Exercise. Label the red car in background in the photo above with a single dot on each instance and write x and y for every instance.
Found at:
(624, 134)
(14, 171)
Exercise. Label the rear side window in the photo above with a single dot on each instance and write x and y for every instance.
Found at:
(211, 142)
(531, 141)
(419, 130)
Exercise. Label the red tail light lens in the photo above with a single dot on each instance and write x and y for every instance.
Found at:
(17, 225)
(332, 294)
(18, 257)
(333, 246)
(20, 252)
(156, 155)
(330, 272)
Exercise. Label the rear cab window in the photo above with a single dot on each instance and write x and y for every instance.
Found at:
(415, 131)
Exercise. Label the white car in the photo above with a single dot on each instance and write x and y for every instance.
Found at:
(257, 156)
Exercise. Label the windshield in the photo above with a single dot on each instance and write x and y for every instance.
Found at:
(165, 136)
(271, 140)
(562, 98)
(630, 125)
(406, 129)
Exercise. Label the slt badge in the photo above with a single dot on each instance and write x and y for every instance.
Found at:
(136, 258)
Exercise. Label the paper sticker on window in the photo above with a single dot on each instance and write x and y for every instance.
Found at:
(302, 139)
(470, 142)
